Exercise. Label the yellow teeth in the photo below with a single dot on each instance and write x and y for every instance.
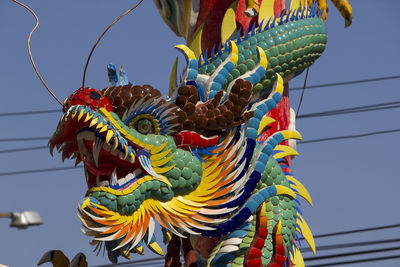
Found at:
(110, 134)
(93, 122)
(88, 117)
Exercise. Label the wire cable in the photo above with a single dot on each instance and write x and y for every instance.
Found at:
(351, 245)
(40, 170)
(347, 136)
(347, 254)
(19, 139)
(302, 92)
(358, 230)
(347, 83)
(34, 112)
(356, 261)
(382, 106)
(22, 149)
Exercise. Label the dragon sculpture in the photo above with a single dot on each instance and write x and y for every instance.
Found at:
(210, 163)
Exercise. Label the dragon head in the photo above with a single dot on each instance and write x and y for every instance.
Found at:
(144, 157)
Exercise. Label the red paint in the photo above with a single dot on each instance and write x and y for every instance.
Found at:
(93, 99)
(188, 138)
(279, 6)
(254, 263)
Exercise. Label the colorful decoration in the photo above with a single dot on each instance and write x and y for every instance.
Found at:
(210, 163)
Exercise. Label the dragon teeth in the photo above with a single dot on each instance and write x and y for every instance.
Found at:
(97, 145)
(113, 178)
(122, 181)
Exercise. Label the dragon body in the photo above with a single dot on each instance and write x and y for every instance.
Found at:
(206, 163)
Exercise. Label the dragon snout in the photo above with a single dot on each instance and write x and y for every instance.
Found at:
(89, 97)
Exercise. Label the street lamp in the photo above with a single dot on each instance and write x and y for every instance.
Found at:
(23, 220)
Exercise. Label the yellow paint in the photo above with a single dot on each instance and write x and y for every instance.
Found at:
(287, 149)
(103, 129)
(110, 134)
(195, 44)
(81, 114)
(305, 230)
(187, 51)
(266, 10)
(287, 134)
(158, 149)
(234, 53)
(265, 121)
(187, 14)
(297, 258)
(100, 125)
(345, 10)
(74, 113)
(93, 122)
(164, 170)
(263, 58)
(279, 228)
(302, 191)
(283, 190)
(228, 26)
(172, 77)
(161, 162)
(157, 248)
(88, 117)
(160, 155)
(294, 4)
(278, 84)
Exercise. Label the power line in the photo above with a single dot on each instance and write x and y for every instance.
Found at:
(347, 136)
(34, 112)
(382, 106)
(38, 112)
(22, 149)
(355, 253)
(302, 92)
(40, 170)
(351, 245)
(356, 261)
(24, 139)
(383, 227)
(347, 82)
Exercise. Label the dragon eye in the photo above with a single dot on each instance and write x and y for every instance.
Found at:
(144, 126)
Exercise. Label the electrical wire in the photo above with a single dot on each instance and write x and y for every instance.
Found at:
(302, 92)
(351, 245)
(24, 139)
(40, 170)
(358, 230)
(347, 136)
(37, 112)
(22, 149)
(382, 106)
(34, 112)
(356, 261)
(347, 83)
(354, 253)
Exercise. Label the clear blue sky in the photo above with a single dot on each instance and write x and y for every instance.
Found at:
(354, 183)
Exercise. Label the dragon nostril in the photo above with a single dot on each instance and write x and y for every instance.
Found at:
(94, 95)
